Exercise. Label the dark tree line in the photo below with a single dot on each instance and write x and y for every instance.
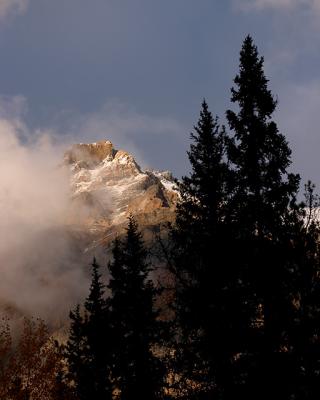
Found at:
(243, 254)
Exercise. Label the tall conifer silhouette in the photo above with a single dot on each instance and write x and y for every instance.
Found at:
(137, 371)
(266, 218)
(88, 347)
(202, 274)
(260, 154)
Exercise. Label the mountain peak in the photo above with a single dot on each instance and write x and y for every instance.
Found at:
(91, 153)
(110, 185)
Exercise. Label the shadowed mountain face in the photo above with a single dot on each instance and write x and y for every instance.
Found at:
(108, 185)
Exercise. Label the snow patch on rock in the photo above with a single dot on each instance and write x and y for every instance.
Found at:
(110, 185)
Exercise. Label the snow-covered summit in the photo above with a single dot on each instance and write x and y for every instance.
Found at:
(108, 185)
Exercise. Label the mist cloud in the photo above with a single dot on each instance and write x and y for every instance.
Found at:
(39, 266)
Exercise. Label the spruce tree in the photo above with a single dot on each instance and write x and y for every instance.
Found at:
(260, 153)
(136, 370)
(97, 332)
(200, 252)
(76, 355)
(265, 218)
(88, 347)
(204, 192)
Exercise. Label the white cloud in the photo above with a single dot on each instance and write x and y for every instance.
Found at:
(9, 7)
(39, 271)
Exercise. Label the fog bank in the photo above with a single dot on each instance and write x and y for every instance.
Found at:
(39, 261)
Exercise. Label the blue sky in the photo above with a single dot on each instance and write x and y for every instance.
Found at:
(135, 71)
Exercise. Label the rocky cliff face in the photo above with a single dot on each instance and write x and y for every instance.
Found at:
(107, 185)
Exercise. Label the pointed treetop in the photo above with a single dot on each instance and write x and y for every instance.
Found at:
(204, 104)
(251, 90)
(132, 224)
(95, 301)
(134, 236)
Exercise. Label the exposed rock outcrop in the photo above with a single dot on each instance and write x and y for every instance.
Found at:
(108, 185)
